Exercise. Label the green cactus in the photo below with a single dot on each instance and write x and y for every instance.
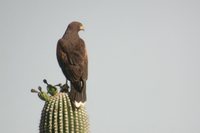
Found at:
(59, 115)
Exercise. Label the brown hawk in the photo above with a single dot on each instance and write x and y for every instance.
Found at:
(72, 58)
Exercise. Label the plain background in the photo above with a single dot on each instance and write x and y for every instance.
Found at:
(144, 60)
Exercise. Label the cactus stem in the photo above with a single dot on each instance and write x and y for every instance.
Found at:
(58, 116)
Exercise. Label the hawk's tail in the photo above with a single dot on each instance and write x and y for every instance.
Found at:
(78, 93)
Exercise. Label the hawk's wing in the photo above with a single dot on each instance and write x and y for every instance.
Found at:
(72, 59)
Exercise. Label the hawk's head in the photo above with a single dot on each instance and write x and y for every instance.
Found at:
(75, 26)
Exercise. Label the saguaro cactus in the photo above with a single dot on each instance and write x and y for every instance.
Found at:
(59, 115)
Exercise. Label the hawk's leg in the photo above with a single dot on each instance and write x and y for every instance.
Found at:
(64, 88)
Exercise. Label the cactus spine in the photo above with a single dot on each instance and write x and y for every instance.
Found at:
(59, 116)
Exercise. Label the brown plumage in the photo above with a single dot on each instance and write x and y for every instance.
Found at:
(72, 58)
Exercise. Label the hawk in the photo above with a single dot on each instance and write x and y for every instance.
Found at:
(72, 58)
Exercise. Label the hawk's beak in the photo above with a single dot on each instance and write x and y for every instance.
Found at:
(82, 27)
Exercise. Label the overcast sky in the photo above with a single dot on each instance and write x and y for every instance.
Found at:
(144, 62)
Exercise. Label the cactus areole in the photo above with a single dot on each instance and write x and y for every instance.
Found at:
(59, 115)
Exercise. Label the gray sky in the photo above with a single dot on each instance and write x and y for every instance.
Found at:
(144, 62)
